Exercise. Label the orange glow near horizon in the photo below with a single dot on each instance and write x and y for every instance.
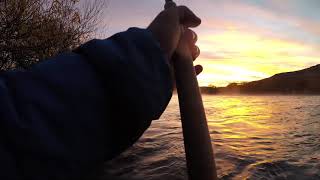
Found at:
(240, 41)
(243, 57)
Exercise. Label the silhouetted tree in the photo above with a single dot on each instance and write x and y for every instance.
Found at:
(32, 30)
(212, 86)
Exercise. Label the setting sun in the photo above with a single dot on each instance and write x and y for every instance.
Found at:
(242, 40)
(160, 89)
(234, 56)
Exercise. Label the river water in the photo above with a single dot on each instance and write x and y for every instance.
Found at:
(254, 137)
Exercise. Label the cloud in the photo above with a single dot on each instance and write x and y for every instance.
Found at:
(240, 40)
(267, 17)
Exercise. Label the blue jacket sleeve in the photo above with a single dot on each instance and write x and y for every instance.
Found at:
(67, 115)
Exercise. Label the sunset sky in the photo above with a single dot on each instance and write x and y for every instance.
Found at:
(240, 40)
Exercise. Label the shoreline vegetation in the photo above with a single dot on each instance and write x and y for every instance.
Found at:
(302, 82)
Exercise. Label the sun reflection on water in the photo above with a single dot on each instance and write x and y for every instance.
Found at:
(254, 129)
(254, 137)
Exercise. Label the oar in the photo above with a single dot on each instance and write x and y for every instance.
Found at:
(197, 142)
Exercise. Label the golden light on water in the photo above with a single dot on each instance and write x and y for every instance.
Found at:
(260, 137)
(254, 137)
(246, 125)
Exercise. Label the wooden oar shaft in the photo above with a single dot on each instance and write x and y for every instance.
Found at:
(197, 141)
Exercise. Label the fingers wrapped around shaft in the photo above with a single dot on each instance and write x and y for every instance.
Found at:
(198, 69)
(192, 39)
(187, 17)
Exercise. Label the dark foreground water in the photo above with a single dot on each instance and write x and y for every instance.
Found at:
(255, 137)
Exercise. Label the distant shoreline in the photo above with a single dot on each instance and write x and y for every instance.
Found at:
(303, 82)
(254, 94)
(260, 94)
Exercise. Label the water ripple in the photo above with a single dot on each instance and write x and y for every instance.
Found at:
(255, 137)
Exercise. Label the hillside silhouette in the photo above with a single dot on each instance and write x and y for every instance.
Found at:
(306, 81)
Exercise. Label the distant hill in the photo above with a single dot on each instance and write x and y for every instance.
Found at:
(306, 81)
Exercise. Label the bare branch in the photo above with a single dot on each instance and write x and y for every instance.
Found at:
(32, 30)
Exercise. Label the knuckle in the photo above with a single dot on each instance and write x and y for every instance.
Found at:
(192, 35)
(189, 34)
(183, 10)
(182, 7)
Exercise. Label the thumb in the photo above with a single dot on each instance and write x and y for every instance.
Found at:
(187, 17)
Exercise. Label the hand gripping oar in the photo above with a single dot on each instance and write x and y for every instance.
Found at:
(197, 142)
